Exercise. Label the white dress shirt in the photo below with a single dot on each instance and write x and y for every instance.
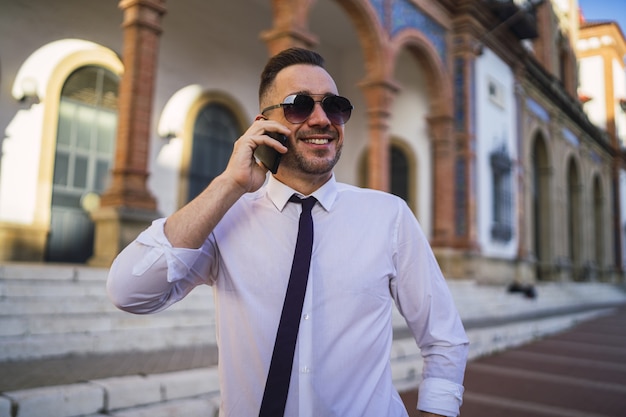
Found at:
(368, 252)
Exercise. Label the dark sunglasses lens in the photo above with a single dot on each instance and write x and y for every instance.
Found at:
(337, 108)
(300, 109)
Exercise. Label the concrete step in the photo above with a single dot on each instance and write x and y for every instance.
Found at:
(102, 342)
(56, 310)
(176, 393)
(65, 323)
(476, 301)
(37, 306)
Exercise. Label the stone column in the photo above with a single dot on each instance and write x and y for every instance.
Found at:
(526, 261)
(127, 206)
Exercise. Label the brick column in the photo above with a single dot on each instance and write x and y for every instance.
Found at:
(463, 173)
(127, 206)
(378, 96)
(290, 26)
(442, 137)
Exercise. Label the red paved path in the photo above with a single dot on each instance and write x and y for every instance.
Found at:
(578, 373)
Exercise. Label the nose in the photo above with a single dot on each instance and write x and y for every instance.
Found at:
(318, 117)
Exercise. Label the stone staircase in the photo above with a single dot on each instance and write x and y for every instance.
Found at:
(49, 311)
(56, 310)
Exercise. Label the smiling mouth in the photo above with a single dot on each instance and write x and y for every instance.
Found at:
(317, 141)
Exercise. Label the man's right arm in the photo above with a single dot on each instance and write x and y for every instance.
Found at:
(155, 270)
(191, 225)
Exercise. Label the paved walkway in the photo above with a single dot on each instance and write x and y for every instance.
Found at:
(577, 373)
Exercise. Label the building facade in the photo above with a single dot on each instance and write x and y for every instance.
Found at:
(115, 114)
(601, 49)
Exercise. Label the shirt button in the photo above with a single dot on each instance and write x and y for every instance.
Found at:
(306, 317)
(305, 370)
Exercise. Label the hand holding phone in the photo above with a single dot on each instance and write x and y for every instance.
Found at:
(269, 156)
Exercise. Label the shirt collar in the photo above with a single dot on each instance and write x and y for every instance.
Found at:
(280, 193)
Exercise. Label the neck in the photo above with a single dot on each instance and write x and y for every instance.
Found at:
(304, 184)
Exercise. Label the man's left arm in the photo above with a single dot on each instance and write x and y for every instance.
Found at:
(423, 298)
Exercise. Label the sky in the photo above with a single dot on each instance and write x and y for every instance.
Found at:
(605, 10)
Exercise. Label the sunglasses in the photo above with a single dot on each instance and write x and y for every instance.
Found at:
(298, 108)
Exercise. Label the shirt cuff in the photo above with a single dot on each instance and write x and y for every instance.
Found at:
(179, 260)
(440, 396)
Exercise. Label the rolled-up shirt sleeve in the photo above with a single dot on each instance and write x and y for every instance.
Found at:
(149, 275)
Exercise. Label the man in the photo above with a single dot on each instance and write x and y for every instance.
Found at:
(368, 251)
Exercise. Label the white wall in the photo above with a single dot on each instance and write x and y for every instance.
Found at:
(619, 90)
(19, 169)
(592, 83)
(25, 27)
(496, 125)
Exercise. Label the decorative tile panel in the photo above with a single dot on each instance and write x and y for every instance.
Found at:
(460, 197)
(459, 89)
(570, 137)
(538, 110)
(397, 15)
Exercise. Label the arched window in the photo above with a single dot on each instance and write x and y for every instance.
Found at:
(541, 176)
(399, 173)
(574, 219)
(502, 196)
(215, 130)
(598, 221)
(84, 150)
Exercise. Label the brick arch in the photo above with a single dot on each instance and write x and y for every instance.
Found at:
(436, 73)
(574, 213)
(539, 133)
(377, 86)
(440, 127)
(539, 171)
(372, 37)
(290, 28)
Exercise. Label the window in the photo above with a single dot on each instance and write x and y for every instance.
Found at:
(460, 196)
(84, 150)
(399, 173)
(501, 228)
(495, 91)
(215, 130)
(402, 172)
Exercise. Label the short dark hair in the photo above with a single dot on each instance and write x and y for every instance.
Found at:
(284, 59)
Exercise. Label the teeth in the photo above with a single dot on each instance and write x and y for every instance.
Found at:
(317, 141)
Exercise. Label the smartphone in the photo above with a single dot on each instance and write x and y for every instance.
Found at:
(270, 157)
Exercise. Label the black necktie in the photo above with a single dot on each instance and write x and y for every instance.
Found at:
(277, 384)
